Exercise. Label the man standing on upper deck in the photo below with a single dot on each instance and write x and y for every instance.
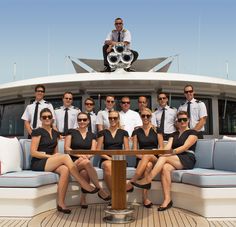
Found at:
(31, 115)
(119, 34)
(196, 110)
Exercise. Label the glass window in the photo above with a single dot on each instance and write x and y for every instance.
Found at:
(11, 123)
(227, 117)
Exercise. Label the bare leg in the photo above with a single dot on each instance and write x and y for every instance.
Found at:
(173, 160)
(146, 201)
(64, 159)
(85, 175)
(106, 165)
(166, 183)
(63, 182)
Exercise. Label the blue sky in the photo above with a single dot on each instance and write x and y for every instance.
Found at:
(37, 35)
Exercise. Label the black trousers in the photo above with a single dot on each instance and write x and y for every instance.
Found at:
(104, 49)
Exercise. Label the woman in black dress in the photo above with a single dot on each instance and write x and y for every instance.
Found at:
(112, 138)
(45, 157)
(81, 138)
(145, 137)
(183, 144)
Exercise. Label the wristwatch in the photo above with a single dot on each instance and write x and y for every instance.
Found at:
(174, 151)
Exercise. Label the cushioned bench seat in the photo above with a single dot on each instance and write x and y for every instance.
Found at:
(27, 179)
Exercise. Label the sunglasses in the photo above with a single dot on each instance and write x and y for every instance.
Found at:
(141, 102)
(190, 91)
(82, 119)
(125, 102)
(118, 23)
(145, 115)
(112, 118)
(40, 91)
(45, 117)
(68, 98)
(110, 101)
(89, 104)
(182, 119)
(162, 98)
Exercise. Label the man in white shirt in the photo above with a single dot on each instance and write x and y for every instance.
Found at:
(119, 34)
(102, 121)
(129, 119)
(66, 115)
(196, 110)
(31, 115)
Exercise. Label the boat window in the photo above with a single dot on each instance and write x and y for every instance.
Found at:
(10, 119)
(227, 117)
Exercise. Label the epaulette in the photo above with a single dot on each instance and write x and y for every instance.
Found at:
(124, 30)
(182, 103)
(47, 102)
(57, 108)
(113, 30)
(198, 101)
(172, 107)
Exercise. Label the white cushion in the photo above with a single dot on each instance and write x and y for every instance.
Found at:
(10, 155)
(228, 138)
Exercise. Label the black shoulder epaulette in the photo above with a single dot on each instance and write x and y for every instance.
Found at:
(182, 103)
(57, 108)
(172, 107)
(47, 102)
(198, 101)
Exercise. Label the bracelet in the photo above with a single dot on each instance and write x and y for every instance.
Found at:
(174, 151)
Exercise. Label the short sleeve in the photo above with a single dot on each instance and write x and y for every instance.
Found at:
(94, 137)
(125, 133)
(134, 133)
(158, 130)
(193, 132)
(70, 132)
(101, 133)
(36, 132)
(172, 134)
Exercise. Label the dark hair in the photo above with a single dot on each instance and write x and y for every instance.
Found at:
(45, 110)
(90, 99)
(188, 85)
(118, 18)
(162, 93)
(142, 96)
(67, 92)
(80, 113)
(125, 97)
(39, 86)
(110, 96)
(182, 113)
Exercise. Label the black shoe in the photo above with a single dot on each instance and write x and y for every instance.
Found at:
(170, 204)
(130, 190)
(144, 186)
(106, 69)
(90, 192)
(65, 211)
(108, 198)
(148, 205)
(84, 206)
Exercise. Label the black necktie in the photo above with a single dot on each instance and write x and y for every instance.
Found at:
(189, 113)
(90, 123)
(66, 121)
(118, 36)
(35, 115)
(162, 120)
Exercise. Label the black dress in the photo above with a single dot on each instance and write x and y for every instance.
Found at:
(146, 142)
(187, 159)
(77, 141)
(110, 143)
(46, 144)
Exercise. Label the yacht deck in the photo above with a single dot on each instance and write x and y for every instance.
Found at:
(93, 216)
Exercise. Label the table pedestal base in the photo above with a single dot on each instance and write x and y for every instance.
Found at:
(119, 216)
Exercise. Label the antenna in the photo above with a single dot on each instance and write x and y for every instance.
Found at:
(227, 69)
(14, 71)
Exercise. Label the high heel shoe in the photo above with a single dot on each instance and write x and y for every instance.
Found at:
(148, 205)
(143, 186)
(131, 189)
(108, 198)
(65, 211)
(169, 205)
(90, 192)
(85, 206)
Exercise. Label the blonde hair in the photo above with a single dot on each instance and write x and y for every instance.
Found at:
(150, 112)
(114, 111)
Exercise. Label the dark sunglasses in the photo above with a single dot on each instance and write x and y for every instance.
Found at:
(45, 117)
(145, 115)
(141, 102)
(125, 102)
(118, 23)
(82, 119)
(110, 101)
(40, 91)
(182, 119)
(89, 104)
(112, 118)
(68, 98)
(190, 91)
(162, 98)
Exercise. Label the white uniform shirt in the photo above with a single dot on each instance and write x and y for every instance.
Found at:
(28, 115)
(125, 36)
(197, 111)
(170, 117)
(72, 117)
(102, 118)
(130, 120)
(93, 118)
